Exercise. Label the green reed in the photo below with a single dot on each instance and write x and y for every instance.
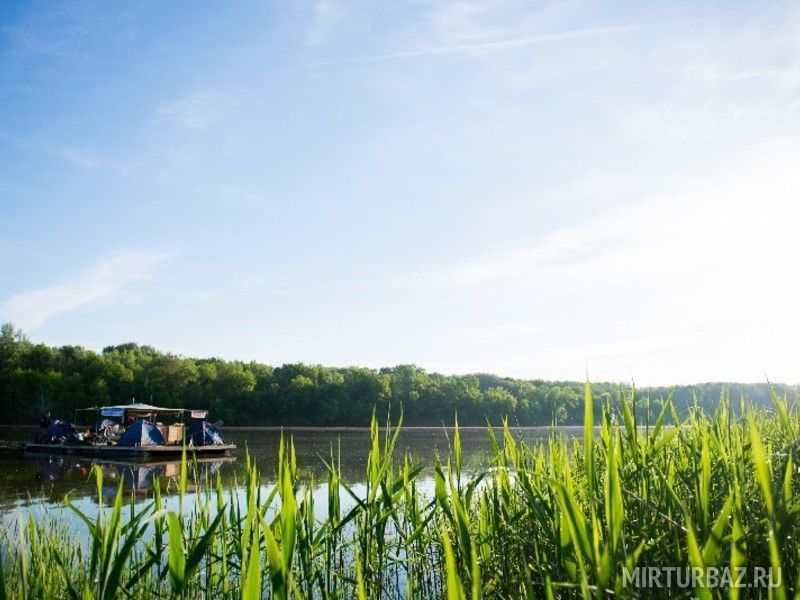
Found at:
(560, 519)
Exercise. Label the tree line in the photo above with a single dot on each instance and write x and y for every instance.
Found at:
(37, 377)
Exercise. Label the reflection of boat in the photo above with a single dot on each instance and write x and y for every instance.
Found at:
(138, 477)
(134, 430)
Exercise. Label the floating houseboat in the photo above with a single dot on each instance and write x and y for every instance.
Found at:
(136, 430)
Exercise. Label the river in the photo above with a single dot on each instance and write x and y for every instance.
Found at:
(38, 484)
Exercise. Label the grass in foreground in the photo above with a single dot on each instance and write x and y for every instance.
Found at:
(562, 519)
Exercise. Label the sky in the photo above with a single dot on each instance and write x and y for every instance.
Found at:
(555, 189)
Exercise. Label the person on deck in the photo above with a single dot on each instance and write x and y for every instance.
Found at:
(44, 423)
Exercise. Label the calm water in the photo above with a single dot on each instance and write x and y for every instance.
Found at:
(38, 484)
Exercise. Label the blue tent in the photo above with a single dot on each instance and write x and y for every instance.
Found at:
(141, 433)
(204, 434)
(59, 432)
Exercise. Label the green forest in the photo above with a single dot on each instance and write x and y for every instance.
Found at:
(37, 377)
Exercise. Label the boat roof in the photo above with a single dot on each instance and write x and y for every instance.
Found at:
(141, 407)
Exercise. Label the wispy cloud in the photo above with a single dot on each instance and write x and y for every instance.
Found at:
(102, 283)
(329, 16)
(83, 158)
(502, 332)
(195, 111)
(567, 245)
(736, 221)
(483, 47)
(700, 270)
(233, 194)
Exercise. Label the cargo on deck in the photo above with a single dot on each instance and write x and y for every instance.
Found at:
(134, 430)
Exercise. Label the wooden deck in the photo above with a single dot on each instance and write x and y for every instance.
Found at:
(147, 452)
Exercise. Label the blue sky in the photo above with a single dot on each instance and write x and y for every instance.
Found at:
(531, 189)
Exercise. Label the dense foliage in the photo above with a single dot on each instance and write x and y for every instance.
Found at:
(564, 519)
(37, 377)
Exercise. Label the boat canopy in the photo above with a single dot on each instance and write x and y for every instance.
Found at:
(139, 410)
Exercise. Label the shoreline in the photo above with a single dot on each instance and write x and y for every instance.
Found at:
(357, 428)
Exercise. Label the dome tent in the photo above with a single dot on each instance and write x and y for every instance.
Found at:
(141, 433)
(59, 432)
(202, 433)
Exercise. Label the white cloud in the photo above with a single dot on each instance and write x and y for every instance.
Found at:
(101, 284)
(77, 156)
(195, 111)
(80, 157)
(484, 46)
(698, 284)
(741, 223)
(502, 332)
(233, 194)
(328, 17)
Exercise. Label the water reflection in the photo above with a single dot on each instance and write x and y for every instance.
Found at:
(43, 479)
(67, 474)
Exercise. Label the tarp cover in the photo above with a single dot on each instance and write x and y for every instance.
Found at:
(202, 433)
(141, 433)
(112, 411)
(103, 425)
(60, 432)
